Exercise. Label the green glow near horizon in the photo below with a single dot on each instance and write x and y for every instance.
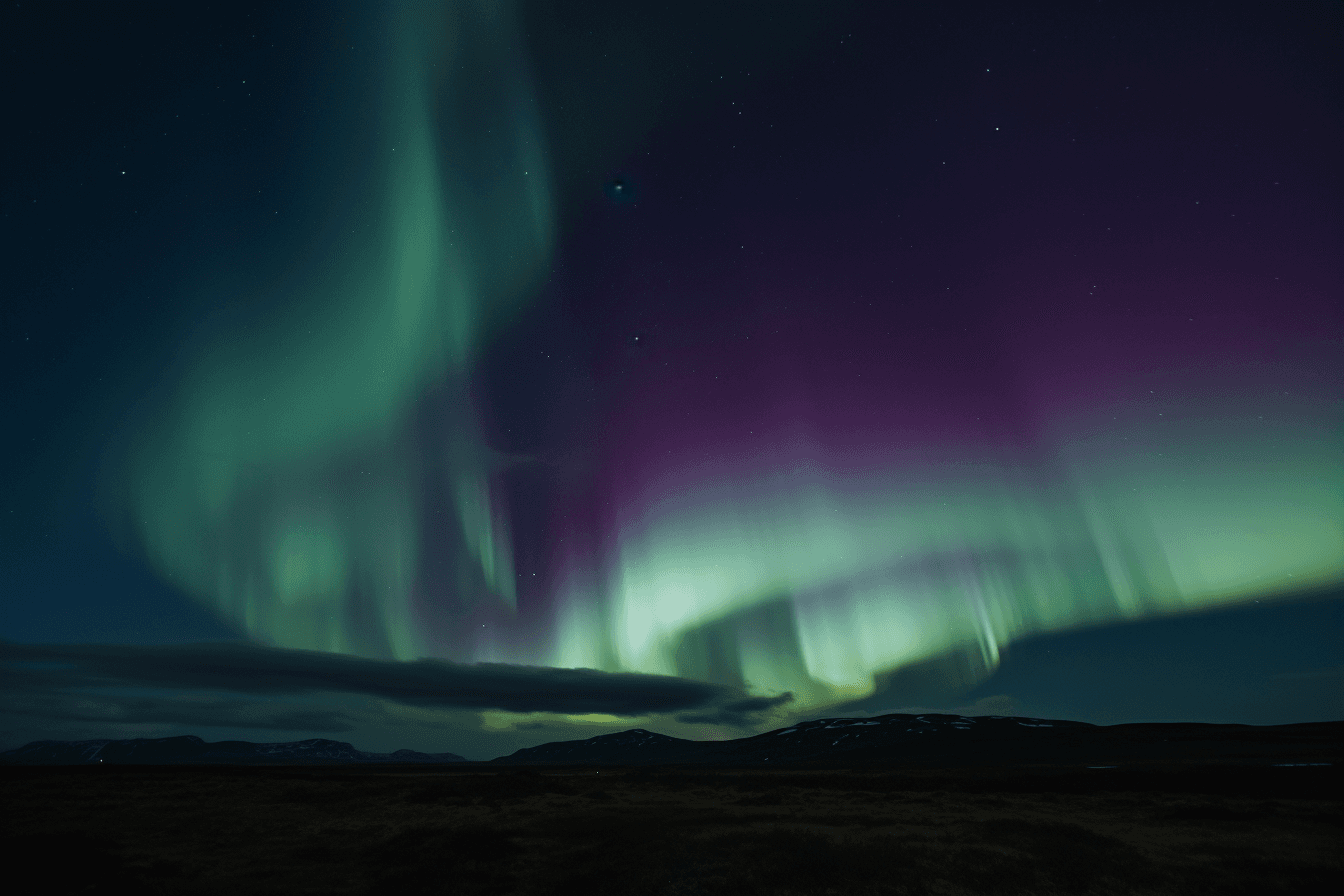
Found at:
(922, 559)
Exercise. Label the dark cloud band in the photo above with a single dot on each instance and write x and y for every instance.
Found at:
(252, 669)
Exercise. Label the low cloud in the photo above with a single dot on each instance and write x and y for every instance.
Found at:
(996, 705)
(1335, 673)
(182, 709)
(742, 713)
(82, 681)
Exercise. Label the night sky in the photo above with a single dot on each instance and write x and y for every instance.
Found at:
(465, 377)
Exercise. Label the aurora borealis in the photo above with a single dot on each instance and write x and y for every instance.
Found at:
(909, 339)
(284, 483)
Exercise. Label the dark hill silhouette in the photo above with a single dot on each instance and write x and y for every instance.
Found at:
(935, 740)
(191, 750)
(633, 747)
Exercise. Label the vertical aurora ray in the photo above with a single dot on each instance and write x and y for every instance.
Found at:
(287, 481)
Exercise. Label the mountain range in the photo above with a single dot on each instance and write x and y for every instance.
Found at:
(937, 740)
(897, 739)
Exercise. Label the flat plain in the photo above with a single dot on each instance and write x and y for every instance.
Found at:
(476, 829)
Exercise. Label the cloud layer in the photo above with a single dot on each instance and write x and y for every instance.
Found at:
(78, 681)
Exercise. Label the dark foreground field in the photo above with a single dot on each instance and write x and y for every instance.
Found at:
(476, 830)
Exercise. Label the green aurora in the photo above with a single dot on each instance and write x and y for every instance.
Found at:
(288, 482)
(280, 480)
